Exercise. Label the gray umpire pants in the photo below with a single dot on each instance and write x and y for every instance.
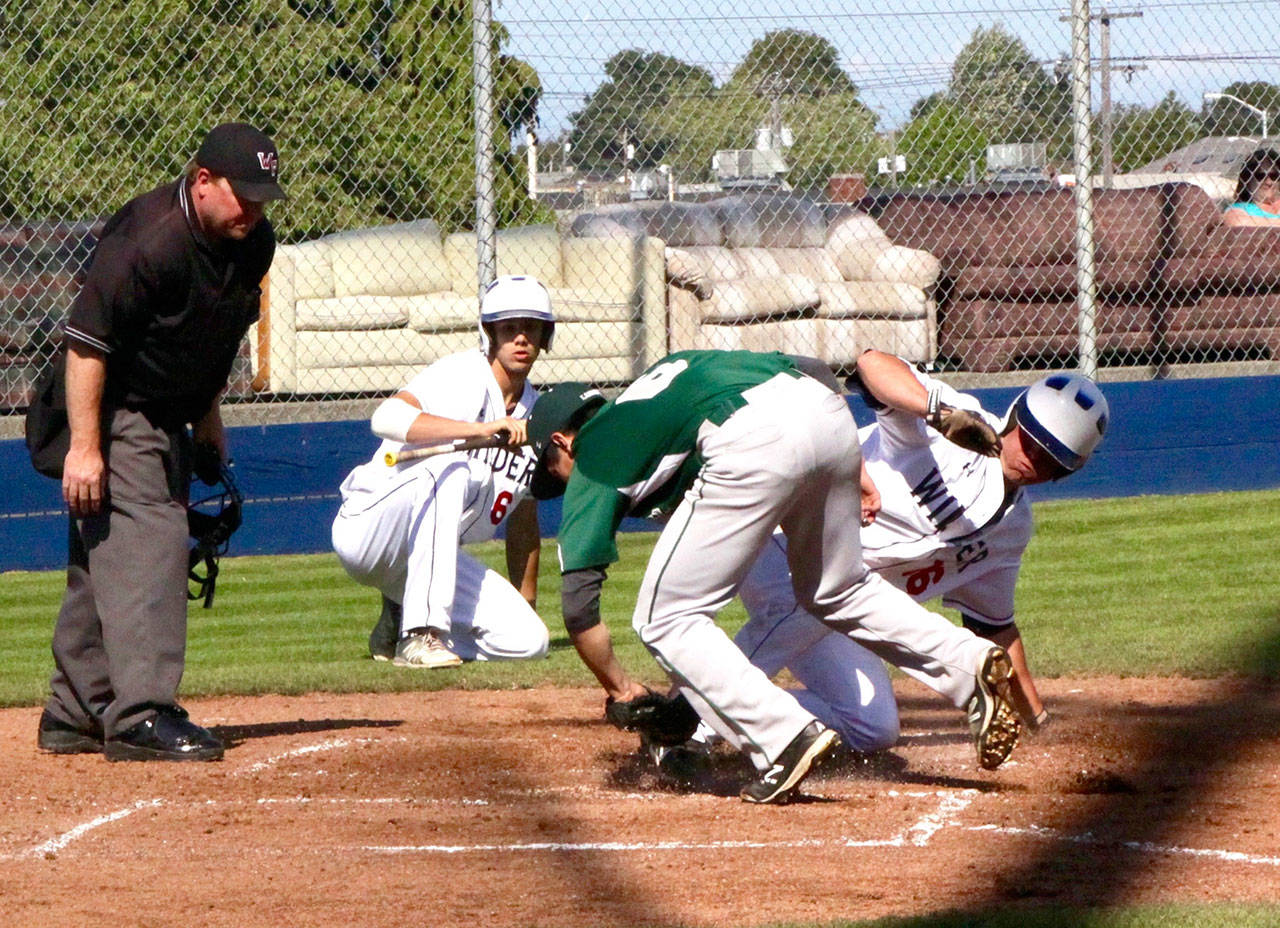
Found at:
(119, 645)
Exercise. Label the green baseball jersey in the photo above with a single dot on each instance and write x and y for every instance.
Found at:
(638, 454)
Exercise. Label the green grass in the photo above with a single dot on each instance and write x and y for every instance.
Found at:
(1182, 916)
(1141, 586)
(1149, 585)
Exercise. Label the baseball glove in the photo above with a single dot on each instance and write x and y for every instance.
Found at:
(966, 429)
(664, 720)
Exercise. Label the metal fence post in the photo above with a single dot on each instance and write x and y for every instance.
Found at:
(482, 72)
(1086, 282)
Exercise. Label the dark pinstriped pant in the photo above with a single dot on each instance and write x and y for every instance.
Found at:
(119, 645)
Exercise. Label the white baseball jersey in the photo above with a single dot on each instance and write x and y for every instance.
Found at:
(947, 526)
(400, 528)
(460, 386)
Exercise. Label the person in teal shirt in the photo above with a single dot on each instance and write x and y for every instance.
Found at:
(1257, 192)
(724, 447)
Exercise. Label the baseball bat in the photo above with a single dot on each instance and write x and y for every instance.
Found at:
(393, 458)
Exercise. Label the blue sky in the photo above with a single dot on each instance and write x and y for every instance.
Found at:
(896, 53)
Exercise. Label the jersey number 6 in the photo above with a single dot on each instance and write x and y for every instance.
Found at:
(499, 510)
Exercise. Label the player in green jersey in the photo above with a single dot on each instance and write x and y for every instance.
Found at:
(725, 447)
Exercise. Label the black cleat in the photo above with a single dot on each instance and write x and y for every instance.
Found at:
(383, 638)
(57, 737)
(792, 765)
(167, 735)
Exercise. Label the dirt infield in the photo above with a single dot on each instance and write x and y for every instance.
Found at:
(521, 808)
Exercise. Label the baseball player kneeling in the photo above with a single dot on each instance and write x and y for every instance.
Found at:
(948, 518)
(727, 445)
(404, 519)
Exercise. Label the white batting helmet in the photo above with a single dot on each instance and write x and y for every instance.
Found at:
(1065, 414)
(516, 297)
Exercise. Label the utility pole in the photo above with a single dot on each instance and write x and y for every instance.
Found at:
(1104, 37)
(1104, 17)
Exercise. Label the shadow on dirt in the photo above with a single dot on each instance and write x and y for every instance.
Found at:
(1142, 794)
(233, 735)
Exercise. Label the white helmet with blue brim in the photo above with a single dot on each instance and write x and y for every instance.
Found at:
(1065, 414)
(516, 297)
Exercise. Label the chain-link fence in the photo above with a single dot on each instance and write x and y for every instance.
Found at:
(809, 177)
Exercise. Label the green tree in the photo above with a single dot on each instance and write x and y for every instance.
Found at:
(1227, 117)
(1002, 87)
(943, 146)
(624, 110)
(369, 102)
(1144, 135)
(792, 63)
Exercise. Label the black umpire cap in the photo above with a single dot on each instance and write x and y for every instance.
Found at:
(246, 157)
(563, 408)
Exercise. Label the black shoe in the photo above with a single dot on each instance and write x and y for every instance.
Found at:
(167, 735)
(57, 737)
(679, 764)
(383, 638)
(792, 765)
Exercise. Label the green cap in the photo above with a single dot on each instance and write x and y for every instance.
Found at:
(562, 408)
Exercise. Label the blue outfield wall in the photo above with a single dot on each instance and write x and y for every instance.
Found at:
(1180, 436)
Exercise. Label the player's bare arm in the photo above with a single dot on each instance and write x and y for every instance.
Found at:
(869, 494)
(580, 601)
(401, 418)
(84, 474)
(524, 550)
(891, 381)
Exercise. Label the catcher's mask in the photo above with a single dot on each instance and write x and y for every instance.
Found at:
(211, 520)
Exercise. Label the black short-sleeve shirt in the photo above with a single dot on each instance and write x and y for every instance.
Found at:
(168, 306)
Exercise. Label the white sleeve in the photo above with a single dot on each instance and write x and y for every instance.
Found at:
(393, 418)
(450, 388)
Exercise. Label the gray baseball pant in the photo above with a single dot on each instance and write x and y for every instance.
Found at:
(119, 646)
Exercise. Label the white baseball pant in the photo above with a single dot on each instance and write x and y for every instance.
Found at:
(405, 543)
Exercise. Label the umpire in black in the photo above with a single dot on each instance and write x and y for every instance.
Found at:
(173, 286)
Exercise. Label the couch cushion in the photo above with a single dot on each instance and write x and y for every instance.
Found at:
(793, 336)
(1130, 225)
(609, 270)
(433, 312)
(770, 221)
(308, 267)
(351, 313)
(720, 263)
(815, 263)
(757, 298)
(858, 299)
(758, 262)
(401, 259)
(1047, 282)
(585, 306)
(953, 229)
(1030, 227)
(533, 250)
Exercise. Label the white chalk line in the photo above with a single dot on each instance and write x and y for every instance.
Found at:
(1150, 847)
(330, 745)
(54, 845)
(918, 834)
